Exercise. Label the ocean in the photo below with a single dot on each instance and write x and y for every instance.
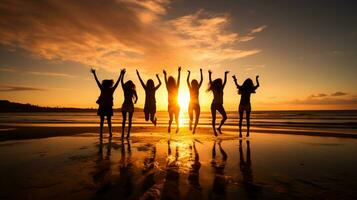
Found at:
(331, 121)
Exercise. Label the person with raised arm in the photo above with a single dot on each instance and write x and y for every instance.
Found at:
(217, 87)
(245, 91)
(130, 95)
(105, 101)
(173, 107)
(150, 100)
(194, 105)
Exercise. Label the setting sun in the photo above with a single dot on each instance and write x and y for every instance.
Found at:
(183, 100)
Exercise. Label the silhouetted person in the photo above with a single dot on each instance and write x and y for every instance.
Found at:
(219, 182)
(217, 87)
(173, 106)
(105, 101)
(245, 90)
(150, 100)
(128, 105)
(194, 105)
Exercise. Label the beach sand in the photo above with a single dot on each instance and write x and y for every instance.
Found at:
(76, 164)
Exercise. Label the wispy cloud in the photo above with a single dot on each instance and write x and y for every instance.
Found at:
(50, 74)
(338, 94)
(16, 88)
(119, 33)
(7, 69)
(258, 29)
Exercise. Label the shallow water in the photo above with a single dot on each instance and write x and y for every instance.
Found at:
(180, 167)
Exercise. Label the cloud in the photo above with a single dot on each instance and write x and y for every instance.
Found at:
(7, 69)
(258, 29)
(337, 94)
(119, 33)
(50, 74)
(317, 95)
(15, 88)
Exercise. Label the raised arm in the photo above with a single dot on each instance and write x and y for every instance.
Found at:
(210, 76)
(122, 72)
(165, 75)
(199, 85)
(236, 81)
(117, 83)
(158, 78)
(188, 78)
(257, 79)
(96, 78)
(136, 96)
(178, 77)
(225, 78)
(141, 80)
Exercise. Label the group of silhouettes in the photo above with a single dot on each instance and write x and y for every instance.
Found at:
(107, 88)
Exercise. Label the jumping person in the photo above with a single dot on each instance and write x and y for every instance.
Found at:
(150, 101)
(128, 105)
(194, 105)
(245, 90)
(105, 101)
(217, 87)
(173, 106)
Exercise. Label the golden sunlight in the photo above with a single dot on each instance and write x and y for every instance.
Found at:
(183, 101)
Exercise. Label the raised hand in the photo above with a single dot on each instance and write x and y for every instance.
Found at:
(123, 71)
(164, 71)
(234, 77)
(209, 71)
(226, 72)
(257, 77)
(137, 72)
(189, 71)
(92, 70)
(179, 69)
(201, 70)
(157, 75)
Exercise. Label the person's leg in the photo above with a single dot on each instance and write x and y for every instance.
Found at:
(152, 118)
(241, 112)
(123, 124)
(146, 116)
(101, 126)
(129, 126)
(224, 117)
(197, 117)
(190, 114)
(171, 115)
(213, 113)
(109, 120)
(248, 121)
(177, 116)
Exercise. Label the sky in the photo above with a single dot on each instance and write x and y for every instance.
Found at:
(304, 51)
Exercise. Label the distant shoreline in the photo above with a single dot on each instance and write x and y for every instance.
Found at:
(13, 107)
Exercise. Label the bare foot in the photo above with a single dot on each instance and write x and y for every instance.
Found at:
(155, 121)
(219, 130)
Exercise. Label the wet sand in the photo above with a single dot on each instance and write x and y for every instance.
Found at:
(152, 165)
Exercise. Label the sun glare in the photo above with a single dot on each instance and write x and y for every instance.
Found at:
(183, 100)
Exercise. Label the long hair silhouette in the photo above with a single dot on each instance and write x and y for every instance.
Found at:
(105, 101)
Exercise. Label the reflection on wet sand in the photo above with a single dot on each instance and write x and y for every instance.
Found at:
(171, 189)
(245, 166)
(184, 167)
(218, 165)
(102, 173)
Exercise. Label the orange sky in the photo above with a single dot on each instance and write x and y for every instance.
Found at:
(47, 49)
